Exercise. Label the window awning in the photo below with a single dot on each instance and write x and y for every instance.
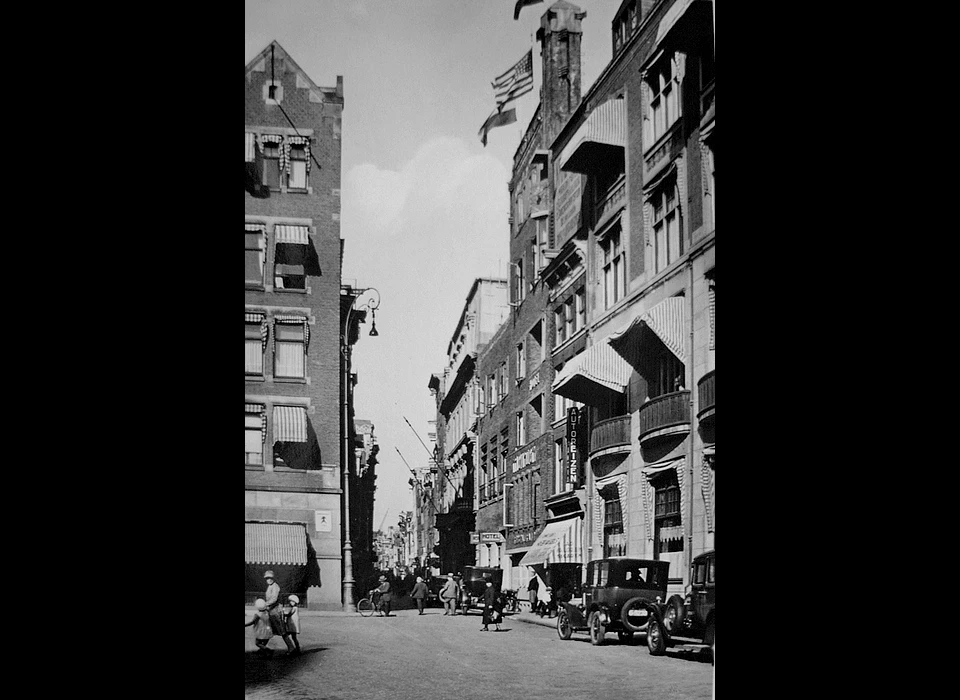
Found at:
(292, 234)
(666, 320)
(599, 140)
(671, 18)
(599, 368)
(275, 543)
(289, 424)
(559, 542)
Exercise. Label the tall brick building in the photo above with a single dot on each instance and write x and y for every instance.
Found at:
(597, 437)
(292, 299)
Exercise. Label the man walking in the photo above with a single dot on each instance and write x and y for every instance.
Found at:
(419, 594)
(450, 594)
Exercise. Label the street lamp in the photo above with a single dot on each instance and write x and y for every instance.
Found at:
(371, 304)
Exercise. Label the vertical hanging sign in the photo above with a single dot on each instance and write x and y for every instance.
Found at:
(573, 454)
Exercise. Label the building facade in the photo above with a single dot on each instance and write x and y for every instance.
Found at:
(458, 393)
(293, 372)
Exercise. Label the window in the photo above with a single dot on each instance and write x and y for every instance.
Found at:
(521, 280)
(614, 270)
(502, 466)
(253, 433)
(290, 348)
(521, 429)
(667, 523)
(491, 391)
(272, 147)
(291, 256)
(667, 241)
(483, 474)
(559, 476)
(614, 543)
(297, 167)
(561, 324)
(254, 254)
(542, 242)
(581, 309)
(502, 392)
(521, 363)
(664, 99)
(253, 347)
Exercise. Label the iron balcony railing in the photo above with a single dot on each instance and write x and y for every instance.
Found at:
(612, 432)
(707, 392)
(665, 411)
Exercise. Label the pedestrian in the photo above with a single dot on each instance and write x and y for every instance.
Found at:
(419, 594)
(450, 594)
(532, 588)
(260, 621)
(272, 599)
(492, 608)
(291, 616)
(386, 597)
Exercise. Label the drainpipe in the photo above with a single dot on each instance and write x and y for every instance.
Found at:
(689, 519)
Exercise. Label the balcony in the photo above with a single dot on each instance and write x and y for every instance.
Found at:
(664, 416)
(707, 395)
(610, 434)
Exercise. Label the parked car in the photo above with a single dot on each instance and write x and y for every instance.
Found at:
(693, 615)
(620, 594)
(474, 581)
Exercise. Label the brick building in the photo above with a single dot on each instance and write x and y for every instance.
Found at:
(293, 371)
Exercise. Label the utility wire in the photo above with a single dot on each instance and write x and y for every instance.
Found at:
(417, 480)
(432, 457)
(273, 81)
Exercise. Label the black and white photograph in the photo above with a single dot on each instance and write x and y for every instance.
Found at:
(480, 339)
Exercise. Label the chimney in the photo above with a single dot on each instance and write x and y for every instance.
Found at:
(559, 36)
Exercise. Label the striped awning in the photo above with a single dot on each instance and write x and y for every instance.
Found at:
(666, 320)
(603, 132)
(597, 367)
(253, 408)
(289, 424)
(250, 147)
(254, 228)
(559, 542)
(292, 234)
(275, 543)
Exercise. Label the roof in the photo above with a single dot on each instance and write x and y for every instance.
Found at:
(331, 94)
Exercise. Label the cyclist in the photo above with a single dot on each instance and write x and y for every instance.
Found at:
(382, 596)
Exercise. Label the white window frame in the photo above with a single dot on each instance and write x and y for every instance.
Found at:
(297, 175)
(287, 343)
(253, 343)
(613, 269)
(667, 225)
(521, 361)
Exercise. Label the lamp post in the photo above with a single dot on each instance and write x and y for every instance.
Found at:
(346, 345)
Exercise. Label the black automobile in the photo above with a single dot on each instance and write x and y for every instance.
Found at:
(621, 595)
(473, 582)
(693, 615)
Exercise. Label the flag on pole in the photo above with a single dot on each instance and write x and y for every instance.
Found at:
(497, 118)
(521, 4)
(515, 82)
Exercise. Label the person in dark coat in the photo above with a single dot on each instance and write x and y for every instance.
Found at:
(419, 594)
(386, 597)
(533, 588)
(492, 608)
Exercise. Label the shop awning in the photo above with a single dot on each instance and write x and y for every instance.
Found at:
(292, 234)
(289, 424)
(559, 542)
(275, 543)
(597, 369)
(666, 320)
(600, 140)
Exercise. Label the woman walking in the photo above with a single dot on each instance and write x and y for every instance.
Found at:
(274, 611)
(491, 608)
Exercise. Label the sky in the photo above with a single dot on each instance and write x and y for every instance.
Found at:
(423, 204)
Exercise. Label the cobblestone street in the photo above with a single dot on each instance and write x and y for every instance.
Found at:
(347, 657)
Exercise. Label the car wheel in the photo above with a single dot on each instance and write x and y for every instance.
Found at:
(656, 639)
(624, 635)
(564, 628)
(597, 629)
(625, 617)
(673, 615)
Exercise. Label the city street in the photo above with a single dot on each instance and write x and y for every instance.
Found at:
(348, 657)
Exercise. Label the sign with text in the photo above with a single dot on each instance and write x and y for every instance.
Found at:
(573, 452)
(491, 537)
(525, 459)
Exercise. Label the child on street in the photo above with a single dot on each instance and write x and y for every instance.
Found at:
(291, 614)
(260, 621)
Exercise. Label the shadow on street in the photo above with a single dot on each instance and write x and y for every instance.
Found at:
(268, 669)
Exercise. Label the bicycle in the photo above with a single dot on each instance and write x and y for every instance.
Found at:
(510, 602)
(367, 606)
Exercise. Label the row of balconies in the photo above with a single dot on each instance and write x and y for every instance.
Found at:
(664, 415)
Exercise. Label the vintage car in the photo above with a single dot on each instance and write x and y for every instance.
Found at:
(693, 615)
(473, 582)
(620, 594)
